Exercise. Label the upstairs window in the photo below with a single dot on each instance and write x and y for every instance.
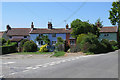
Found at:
(53, 35)
(25, 36)
(10, 37)
(40, 35)
(106, 34)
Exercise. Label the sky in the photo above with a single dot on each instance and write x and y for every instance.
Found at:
(21, 14)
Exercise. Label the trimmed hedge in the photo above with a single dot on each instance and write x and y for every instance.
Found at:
(11, 48)
(29, 46)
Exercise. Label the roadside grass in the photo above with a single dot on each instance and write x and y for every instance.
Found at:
(59, 53)
(89, 53)
(33, 53)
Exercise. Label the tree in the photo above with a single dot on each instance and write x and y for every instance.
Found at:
(115, 16)
(100, 22)
(79, 27)
(115, 13)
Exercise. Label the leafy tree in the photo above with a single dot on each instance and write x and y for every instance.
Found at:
(80, 27)
(100, 22)
(115, 16)
(22, 42)
(115, 13)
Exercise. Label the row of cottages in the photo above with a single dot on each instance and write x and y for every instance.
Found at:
(18, 34)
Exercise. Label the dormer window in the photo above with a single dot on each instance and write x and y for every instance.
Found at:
(25, 36)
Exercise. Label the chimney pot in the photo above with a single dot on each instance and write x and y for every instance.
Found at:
(67, 26)
(49, 25)
(32, 25)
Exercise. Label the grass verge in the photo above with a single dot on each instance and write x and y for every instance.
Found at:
(59, 53)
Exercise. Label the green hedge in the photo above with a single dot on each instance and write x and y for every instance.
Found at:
(5, 49)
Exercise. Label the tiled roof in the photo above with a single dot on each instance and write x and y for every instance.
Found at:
(18, 32)
(1, 34)
(47, 31)
(109, 29)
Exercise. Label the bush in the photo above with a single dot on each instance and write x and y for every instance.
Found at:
(107, 43)
(59, 53)
(2, 41)
(29, 46)
(22, 42)
(80, 38)
(114, 43)
(43, 48)
(9, 48)
(76, 48)
(8, 42)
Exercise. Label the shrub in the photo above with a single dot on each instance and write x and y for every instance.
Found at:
(8, 42)
(29, 46)
(76, 48)
(22, 42)
(59, 46)
(59, 53)
(114, 43)
(9, 48)
(43, 48)
(2, 41)
(107, 43)
(80, 38)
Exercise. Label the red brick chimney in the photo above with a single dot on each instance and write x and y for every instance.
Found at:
(32, 25)
(67, 26)
(49, 25)
(98, 24)
(8, 27)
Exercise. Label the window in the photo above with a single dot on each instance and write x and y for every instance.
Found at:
(53, 35)
(10, 37)
(25, 36)
(106, 34)
(41, 42)
(72, 42)
(53, 42)
(40, 35)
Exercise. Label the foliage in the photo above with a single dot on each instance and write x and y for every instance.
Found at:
(44, 38)
(59, 53)
(115, 13)
(2, 41)
(22, 42)
(89, 53)
(12, 47)
(90, 43)
(43, 48)
(79, 27)
(80, 38)
(76, 48)
(8, 42)
(100, 22)
(29, 46)
(60, 44)
(114, 43)
(107, 43)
